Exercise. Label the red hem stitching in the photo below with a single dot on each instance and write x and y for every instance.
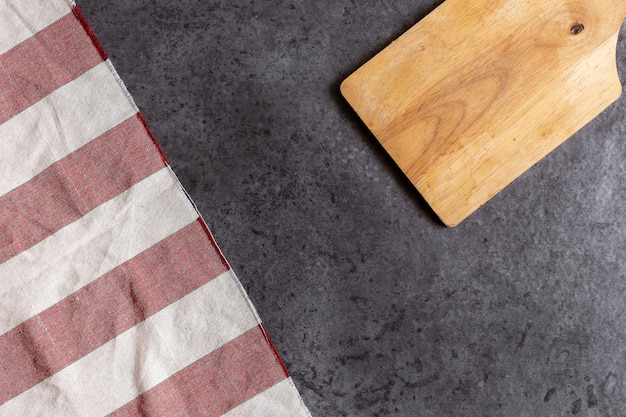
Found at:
(145, 125)
(210, 236)
(90, 32)
(280, 361)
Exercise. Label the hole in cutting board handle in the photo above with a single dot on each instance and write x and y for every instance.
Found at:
(577, 29)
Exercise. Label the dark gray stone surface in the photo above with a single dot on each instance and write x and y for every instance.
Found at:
(376, 308)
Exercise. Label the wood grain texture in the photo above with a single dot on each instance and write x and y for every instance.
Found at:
(478, 92)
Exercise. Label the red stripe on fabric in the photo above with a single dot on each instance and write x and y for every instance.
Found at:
(36, 67)
(220, 381)
(75, 185)
(90, 33)
(156, 144)
(100, 311)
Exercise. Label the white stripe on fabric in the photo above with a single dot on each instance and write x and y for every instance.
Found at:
(59, 124)
(69, 259)
(28, 18)
(120, 82)
(281, 400)
(143, 356)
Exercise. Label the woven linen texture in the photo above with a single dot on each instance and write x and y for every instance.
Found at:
(115, 298)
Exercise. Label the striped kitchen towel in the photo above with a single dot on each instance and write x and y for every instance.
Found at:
(115, 299)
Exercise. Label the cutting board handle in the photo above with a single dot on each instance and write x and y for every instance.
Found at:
(600, 16)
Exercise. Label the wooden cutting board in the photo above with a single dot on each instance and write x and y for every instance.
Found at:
(479, 91)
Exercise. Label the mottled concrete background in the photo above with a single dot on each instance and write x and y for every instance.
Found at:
(377, 309)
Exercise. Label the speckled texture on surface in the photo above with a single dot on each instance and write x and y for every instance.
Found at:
(377, 309)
